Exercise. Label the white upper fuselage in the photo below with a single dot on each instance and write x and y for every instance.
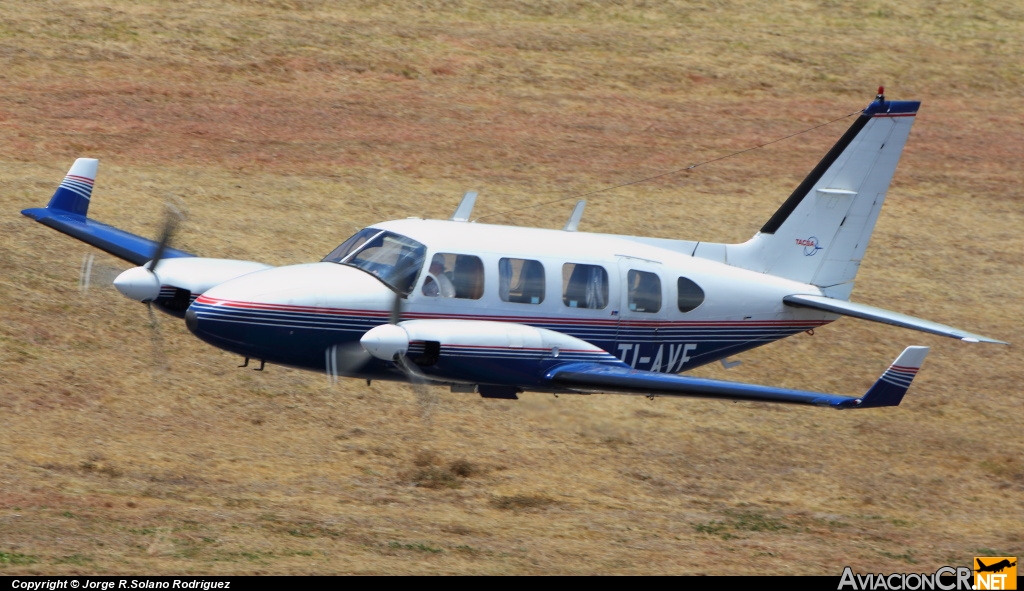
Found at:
(731, 293)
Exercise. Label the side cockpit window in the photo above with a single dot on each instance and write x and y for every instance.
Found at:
(454, 276)
(584, 286)
(521, 281)
(690, 294)
(644, 291)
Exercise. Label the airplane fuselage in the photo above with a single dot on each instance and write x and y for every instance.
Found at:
(654, 308)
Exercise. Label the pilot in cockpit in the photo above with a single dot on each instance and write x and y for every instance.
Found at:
(437, 282)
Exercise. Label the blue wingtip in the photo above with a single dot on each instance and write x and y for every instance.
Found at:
(36, 213)
(67, 213)
(894, 383)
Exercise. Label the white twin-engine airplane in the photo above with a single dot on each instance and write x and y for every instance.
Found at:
(500, 310)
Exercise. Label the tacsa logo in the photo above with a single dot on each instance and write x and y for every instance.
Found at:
(810, 245)
(995, 572)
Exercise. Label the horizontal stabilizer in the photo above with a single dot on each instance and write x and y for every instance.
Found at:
(874, 314)
(596, 377)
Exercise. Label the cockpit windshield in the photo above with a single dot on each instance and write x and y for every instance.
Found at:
(394, 259)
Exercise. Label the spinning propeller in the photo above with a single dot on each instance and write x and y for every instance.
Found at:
(142, 283)
(92, 273)
(388, 342)
(348, 358)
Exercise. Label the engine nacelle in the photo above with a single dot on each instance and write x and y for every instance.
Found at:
(387, 340)
(192, 274)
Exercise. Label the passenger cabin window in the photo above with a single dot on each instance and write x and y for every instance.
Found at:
(644, 290)
(584, 286)
(394, 259)
(521, 281)
(454, 276)
(690, 294)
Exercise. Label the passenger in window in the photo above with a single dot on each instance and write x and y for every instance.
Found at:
(584, 286)
(468, 277)
(644, 291)
(531, 282)
(437, 283)
(528, 287)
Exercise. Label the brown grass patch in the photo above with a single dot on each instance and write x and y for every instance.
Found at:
(432, 472)
(522, 502)
(284, 126)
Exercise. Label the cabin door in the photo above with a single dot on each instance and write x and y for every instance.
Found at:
(641, 301)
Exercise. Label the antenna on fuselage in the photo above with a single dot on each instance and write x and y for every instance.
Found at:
(465, 208)
(574, 219)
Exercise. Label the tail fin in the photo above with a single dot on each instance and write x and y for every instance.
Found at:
(75, 190)
(820, 233)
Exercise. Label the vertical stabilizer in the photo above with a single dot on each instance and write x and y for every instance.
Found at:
(75, 190)
(820, 233)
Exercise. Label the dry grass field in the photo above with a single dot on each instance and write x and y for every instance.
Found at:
(284, 125)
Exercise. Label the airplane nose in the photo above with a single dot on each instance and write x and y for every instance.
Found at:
(191, 322)
(290, 315)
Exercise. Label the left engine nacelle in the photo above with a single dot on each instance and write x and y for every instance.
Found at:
(193, 275)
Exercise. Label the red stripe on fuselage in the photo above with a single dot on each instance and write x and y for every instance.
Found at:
(595, 350)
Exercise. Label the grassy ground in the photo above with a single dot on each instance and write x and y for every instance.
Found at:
(286, 125)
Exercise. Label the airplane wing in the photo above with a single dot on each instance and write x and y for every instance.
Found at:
(874, 314)
(67, 212)
(477, 351)
(68, 209)
(596, 377)
(124, 245)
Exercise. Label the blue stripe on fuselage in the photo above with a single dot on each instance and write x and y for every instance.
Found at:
(298, 336)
